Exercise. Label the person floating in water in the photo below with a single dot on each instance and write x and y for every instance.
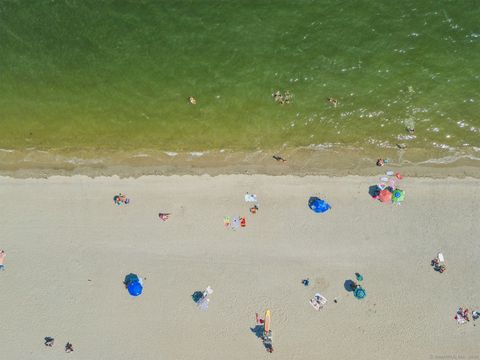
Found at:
(410, 129)
(333, 101)
(192, 100)
(280, 98)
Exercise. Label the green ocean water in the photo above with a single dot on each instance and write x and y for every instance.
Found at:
(107, 75)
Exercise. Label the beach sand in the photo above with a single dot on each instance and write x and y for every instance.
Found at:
(69, 248)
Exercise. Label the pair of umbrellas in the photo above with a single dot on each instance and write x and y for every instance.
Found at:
(396, 196)
(318, 205)
(133, 284)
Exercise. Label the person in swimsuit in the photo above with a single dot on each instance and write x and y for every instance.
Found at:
(2, 259)
(333, 101)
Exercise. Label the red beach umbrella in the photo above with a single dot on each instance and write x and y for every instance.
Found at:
(385, 196)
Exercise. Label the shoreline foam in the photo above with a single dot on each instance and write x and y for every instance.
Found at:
(328, 159)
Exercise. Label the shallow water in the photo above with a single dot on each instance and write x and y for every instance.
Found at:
(89, 76)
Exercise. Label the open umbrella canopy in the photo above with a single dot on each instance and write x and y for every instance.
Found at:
(318, 205)
(385, 196)
(135, 288)
(359, 293)
(398, 196)
(133, 284)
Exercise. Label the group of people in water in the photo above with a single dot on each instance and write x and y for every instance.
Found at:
(284, 98)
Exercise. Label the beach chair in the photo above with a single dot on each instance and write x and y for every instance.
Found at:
(439, 263)
(204, 300)
(318, 301)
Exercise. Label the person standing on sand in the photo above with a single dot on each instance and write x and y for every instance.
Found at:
(68, 348)
(49, 341)
(2, 259)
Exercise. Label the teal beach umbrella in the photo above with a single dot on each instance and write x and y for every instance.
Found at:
(359, 293)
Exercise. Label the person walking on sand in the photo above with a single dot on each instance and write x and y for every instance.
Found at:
(49, 341)
(2, 259)
(68, 348)
(279, 158)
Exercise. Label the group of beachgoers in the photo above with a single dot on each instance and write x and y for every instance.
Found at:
(49, 342)
(285, 98)
(382, 162)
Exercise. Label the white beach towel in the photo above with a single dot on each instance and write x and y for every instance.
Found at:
(250, 197)
(235, 223)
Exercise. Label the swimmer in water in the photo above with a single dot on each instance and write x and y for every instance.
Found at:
(333, 101)
(278, 97)
(287, 97)
(410, 130)
(192, 100)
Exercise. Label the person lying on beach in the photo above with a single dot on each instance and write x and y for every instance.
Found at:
(2, 259)
(49, 341)
(380, 162)
(192, 100)
(333, 101)
(68, 348)
(279, 158)
(254, 209)
(163, 216)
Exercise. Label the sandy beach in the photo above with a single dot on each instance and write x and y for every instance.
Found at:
(69, 248)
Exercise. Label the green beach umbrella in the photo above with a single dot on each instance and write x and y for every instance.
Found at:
(398, 196)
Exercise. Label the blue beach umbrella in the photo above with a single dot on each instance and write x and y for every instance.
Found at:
(318, 205)
(133, 284)
(135, 288)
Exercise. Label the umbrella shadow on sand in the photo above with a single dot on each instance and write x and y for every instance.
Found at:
(373, 190)
(197, 296)
(130, 278)
(257, 330)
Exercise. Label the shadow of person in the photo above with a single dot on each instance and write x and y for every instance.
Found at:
(349, 285)
(373, 190)
(197, 296)
(258, 331)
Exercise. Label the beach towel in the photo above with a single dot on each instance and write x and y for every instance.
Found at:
(235, 223)
(460, 319)
(226, 221)
(250, 197)
(318, 301)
